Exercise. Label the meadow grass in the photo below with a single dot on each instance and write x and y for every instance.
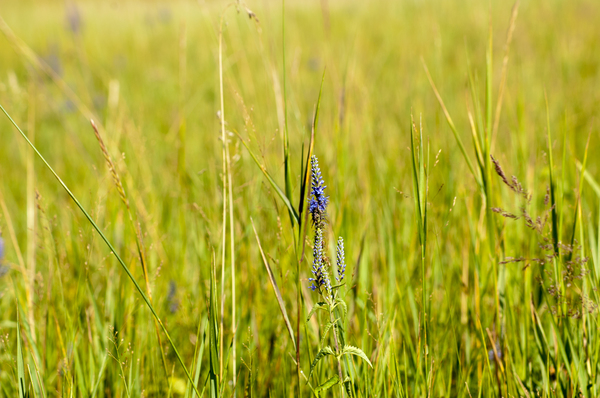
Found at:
(166, 249)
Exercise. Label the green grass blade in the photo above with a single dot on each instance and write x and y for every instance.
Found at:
(589, 178)
(351, 350)
(452, 126)
(275, 288)
(286, 136)
(328, 384)
(509, 36)
(20, 361)
(415, 179)
(580, 188)
(488, 89)
(262, 168)
(311, 145)
(552, 184)
(200, 353)
(110, 246)
(213, 335)
(94, 391)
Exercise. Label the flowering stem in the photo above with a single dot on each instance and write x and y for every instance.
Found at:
(337, 348)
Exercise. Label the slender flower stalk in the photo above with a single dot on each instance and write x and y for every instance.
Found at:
(320, 269)
(331, 301)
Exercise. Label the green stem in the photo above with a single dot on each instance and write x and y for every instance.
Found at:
(337, 347)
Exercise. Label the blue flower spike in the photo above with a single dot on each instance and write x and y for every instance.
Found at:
(341, 259)
(318, 200)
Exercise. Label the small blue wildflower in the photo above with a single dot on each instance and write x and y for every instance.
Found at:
(74, 20)
(492, 355)
(341, 260)
(319, 269)
(317, 260)
(3, 269)
(318, 200)
(172, 297)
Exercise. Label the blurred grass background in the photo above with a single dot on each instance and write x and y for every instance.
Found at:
(148, 73)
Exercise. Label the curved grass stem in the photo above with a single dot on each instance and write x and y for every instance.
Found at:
(110, 246)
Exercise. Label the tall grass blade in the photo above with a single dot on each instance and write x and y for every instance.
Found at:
(275, 288)
(213, 344)
(589, 178)
(94, 391)
(305, 182)
(509, 36)
(286, 136)
(105, 239)
(553, 203)
(452, 126)
(580, 189)
(20, 360)
(263, 169)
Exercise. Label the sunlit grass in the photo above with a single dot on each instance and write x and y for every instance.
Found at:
(445, 296)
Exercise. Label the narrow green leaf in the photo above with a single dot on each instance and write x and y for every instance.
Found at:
(326, 330)
(200, 352)
(262, 168)
(562, 350)
(351, 350)
(580, 188)
(325, 351)
(37, 392)
(589, 178)
(275, 288)
(213, 335)
(342, 304)
(105, 239)
(509, 36)
(349, 387)
(94, 391)
(415, 175)
(20, 362)
(452, 126)
(306, 170)
(286, 137)
(552, 185)
(488, 88)
(328, 384)
(319, 306)
(541, 340)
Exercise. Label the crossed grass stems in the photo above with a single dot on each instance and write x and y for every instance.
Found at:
(332, 303)
(329, 294)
